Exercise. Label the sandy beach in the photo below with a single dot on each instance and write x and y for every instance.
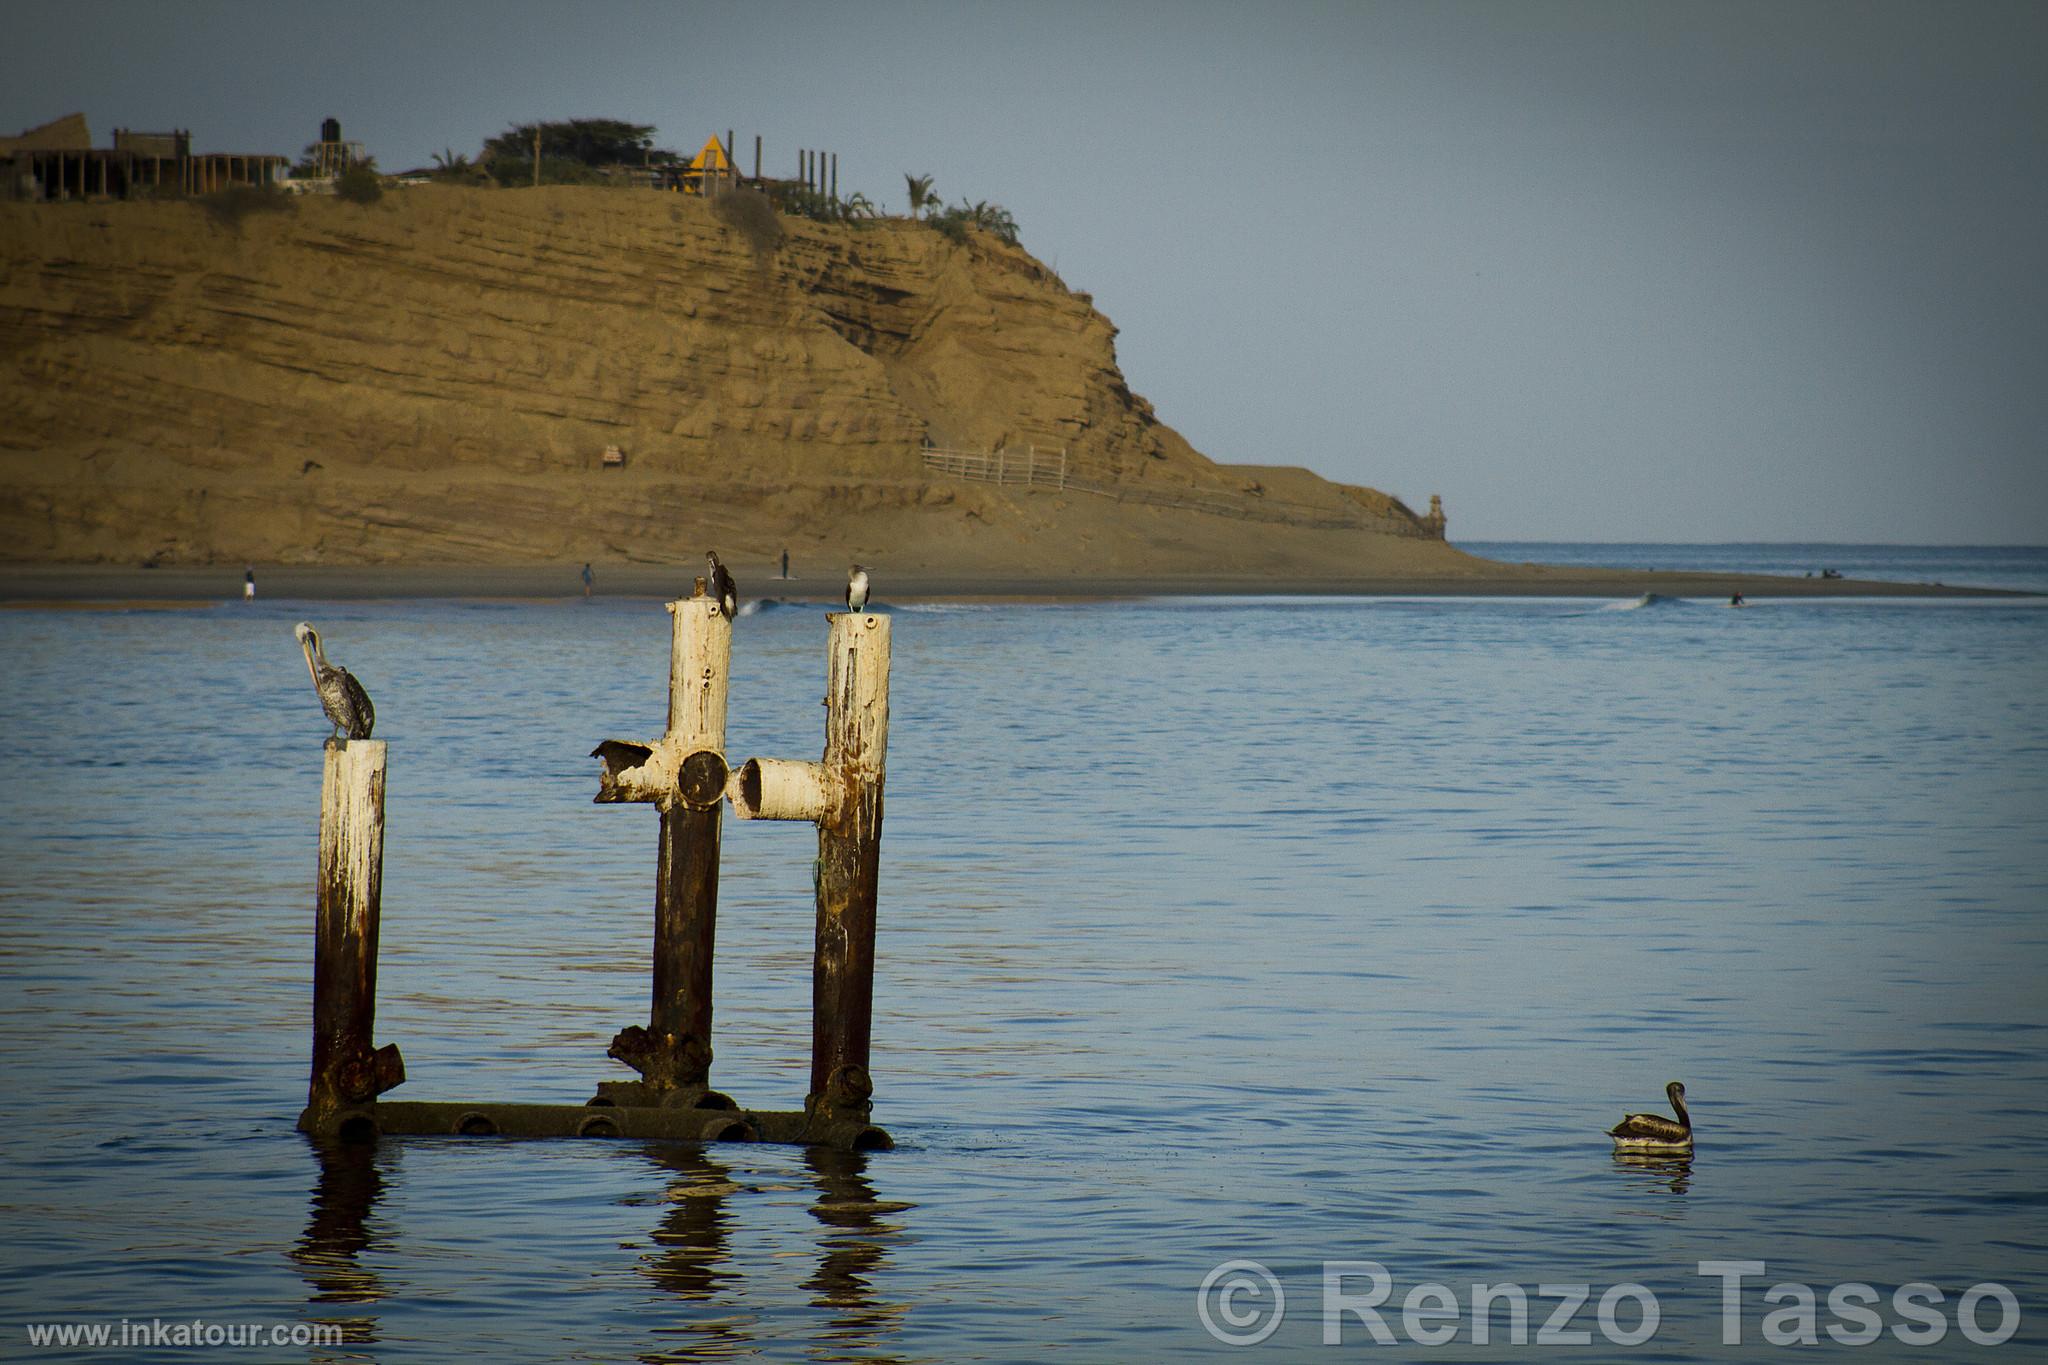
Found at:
(72, 584)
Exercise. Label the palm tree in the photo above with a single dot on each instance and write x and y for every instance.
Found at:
(921, 195)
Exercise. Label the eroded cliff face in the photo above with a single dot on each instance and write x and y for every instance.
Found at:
(436, 377)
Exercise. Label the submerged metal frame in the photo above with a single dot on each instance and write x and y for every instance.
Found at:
(683, 774)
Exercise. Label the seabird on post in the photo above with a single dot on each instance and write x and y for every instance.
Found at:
(857, 589)
(343, 699)
(723, 589)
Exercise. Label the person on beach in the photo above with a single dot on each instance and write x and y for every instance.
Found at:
(785, 563)
(588, 579)
(249, 584)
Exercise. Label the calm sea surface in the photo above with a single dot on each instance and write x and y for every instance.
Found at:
(1289, 931)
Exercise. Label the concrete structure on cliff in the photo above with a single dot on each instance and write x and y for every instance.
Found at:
(56, 162)
(1434, 522)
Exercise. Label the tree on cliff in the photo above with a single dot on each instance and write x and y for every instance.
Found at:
(920, 187)
(571, 150)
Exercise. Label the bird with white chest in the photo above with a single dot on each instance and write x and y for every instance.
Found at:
(343, 699)
(724, 591)
(857, 589)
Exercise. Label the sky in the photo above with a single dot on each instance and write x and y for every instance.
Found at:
(1642, 270)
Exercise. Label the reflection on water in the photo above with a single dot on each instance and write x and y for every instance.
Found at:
(855, 1248)
(715, 1196)
(1656, 1174)
(340, 1230)
(692, 1257)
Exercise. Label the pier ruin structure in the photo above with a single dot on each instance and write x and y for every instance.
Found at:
(685, 776)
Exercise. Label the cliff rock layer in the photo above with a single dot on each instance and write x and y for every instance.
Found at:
(436, 378)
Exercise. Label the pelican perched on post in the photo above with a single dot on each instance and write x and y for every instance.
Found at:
(343, 699)
(723, 589)
(857, 589)
(1653, 1134)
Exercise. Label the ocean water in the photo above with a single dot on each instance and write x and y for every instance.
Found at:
(1284, 931)
(2023, 567)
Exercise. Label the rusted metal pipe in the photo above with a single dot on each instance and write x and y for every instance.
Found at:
(348, 1069)
(843, 794)
(473, 1118)
(684, 775)
(849, 865)
(778, 789)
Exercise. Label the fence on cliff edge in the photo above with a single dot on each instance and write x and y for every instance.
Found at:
(1033, 467)
(1029, 467)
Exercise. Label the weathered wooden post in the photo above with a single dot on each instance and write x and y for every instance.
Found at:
(349, 1071)
(843, 794)
(683, 775)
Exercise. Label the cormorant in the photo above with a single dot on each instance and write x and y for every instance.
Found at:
(722, 587)
(857, 589)
(1653, 1134)
(343, 699)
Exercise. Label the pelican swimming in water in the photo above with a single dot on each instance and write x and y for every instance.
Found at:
(857, 589)
(1653, 1134)
(343, 699)
(723, 588)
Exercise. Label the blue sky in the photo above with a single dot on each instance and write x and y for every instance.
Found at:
(1626, 271)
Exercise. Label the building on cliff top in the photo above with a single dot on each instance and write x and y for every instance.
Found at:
(57, 162)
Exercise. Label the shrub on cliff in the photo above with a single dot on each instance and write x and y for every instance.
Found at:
(360, 183)
(453, 168)
(753, 217)
(820, 207)
(230, 206)
(954, 222)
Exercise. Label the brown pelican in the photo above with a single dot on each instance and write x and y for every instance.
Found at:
(341, 696)
(857, 589)
(722, 587)
(1653, 1134)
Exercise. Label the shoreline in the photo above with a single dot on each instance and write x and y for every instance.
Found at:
(105, 586)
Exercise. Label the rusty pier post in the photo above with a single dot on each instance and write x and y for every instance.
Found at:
(849, 866)
(843, 794)
(349, 1071)
(684, 775)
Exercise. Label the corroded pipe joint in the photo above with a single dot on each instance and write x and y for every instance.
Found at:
(848, 1084)
(633, 771)
(362, 1078)
(778, 789)
(668, 1062)
(700, 781)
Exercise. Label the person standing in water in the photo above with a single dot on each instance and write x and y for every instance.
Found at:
(785, 563)
(588, 579)
(249, 584)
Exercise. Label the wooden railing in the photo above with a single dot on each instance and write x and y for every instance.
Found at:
(1029, 466)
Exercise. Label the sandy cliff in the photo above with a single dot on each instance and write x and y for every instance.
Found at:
(434, 378)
